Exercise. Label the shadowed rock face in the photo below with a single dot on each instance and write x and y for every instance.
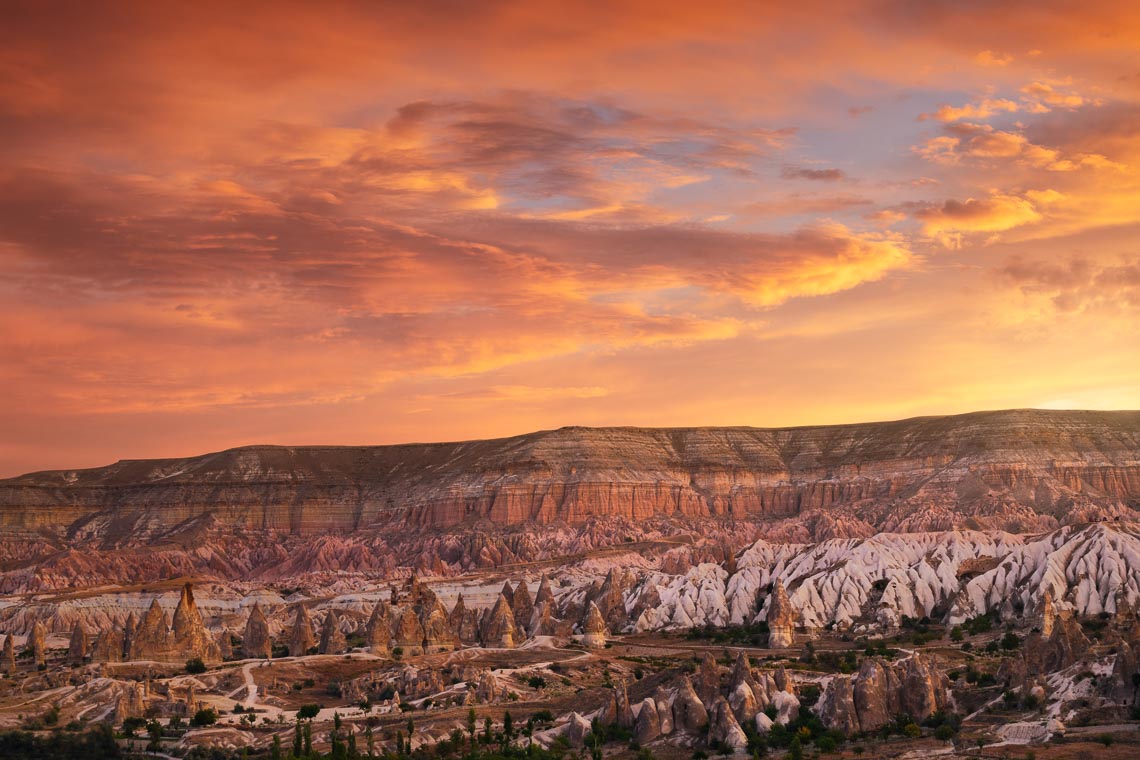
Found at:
(1018, 470)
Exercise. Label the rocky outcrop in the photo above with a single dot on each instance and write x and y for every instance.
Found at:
(577, 729)
(226, 644)
(873, 697)
(648, 725)
(464, 623)
(110, 646)
(8, 656)
(157, 638)
(189, 635)
(434, 618)
(488, 688)
(37, 644)
(544, 593)
(781, 618)
(332, 638)
(256, 642)
(79, 644)
(290, 510)
(689, 713)
(523, 607)
(498, 625)
(409, 633)
(723, 727)
(379, 629)
(301, 638)
(594, 628)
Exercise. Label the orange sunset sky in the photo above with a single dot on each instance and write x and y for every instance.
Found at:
(230, 223)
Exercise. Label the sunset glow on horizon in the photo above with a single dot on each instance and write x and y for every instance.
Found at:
(356, 223)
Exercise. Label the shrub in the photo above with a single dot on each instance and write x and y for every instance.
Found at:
(195, 666)
(308, 712)
(205, 717)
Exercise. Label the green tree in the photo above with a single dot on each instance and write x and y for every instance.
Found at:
(308, 712)
(130, 725)
(275, 749)
(204, 717)
(308, 736)
(508, 726)
(195, 666)
(154, 730)
(471, 726)
(297, 738)
(369, 740)
(796, 749)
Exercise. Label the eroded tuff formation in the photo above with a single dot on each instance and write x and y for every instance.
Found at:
(155, 637)
(274, 511)
(879, 692)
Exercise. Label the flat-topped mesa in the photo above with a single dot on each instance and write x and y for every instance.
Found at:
(782, 617)
(301, 638)
(256, 642)
(1045, 462)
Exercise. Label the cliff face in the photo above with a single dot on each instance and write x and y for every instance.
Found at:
(348, 507)
(1042, 459)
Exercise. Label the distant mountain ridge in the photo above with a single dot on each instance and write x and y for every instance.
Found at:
(509, 498)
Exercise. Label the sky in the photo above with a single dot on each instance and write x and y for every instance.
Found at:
(339, 223)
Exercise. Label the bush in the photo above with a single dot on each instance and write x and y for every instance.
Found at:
(206, 717)
(944, 733)
(536, 682)
(195, 666)
(308, 712)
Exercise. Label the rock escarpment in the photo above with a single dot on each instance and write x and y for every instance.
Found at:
(1019, 470)
(872, 698)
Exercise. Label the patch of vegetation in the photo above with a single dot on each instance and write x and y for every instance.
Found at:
(97, 744)
(754, 634)
(195, 666)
